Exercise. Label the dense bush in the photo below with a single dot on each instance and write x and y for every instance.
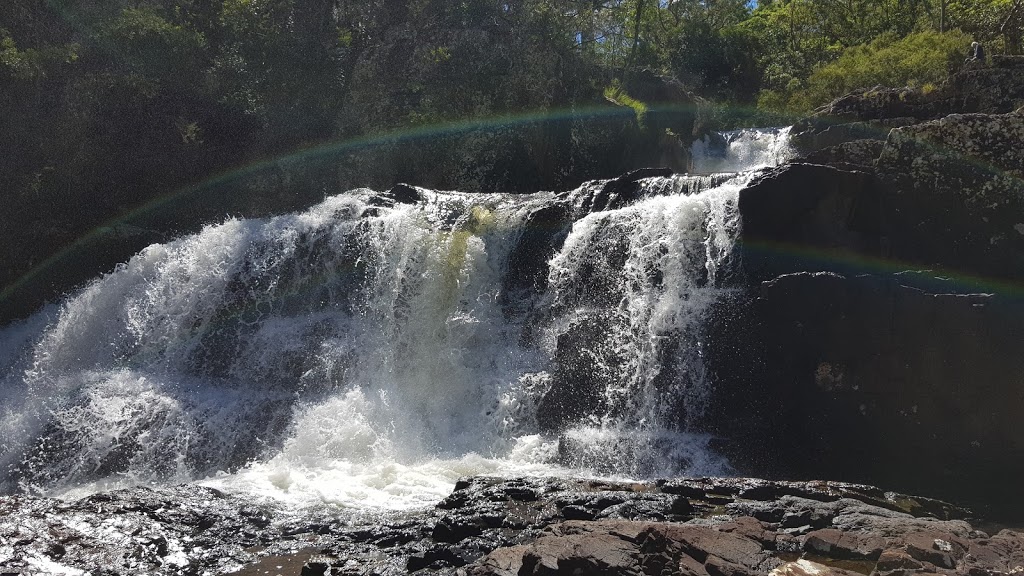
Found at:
(915, 60)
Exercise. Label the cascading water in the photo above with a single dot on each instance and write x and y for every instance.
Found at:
(740, 150)
(372, 349)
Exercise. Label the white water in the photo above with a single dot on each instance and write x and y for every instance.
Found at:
(369, 356)
(741, 150)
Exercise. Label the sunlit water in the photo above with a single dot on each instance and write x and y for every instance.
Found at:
(741, 150)
(367, 355)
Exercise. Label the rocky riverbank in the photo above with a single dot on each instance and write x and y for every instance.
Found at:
(491, 526)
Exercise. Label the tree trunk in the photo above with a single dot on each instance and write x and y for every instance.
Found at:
(636, 34)
(1011, 29)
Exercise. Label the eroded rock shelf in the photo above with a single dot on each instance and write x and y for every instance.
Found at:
(491, 526)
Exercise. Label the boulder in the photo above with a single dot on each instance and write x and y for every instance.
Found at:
(877, 379)
(799, 214)
(945, 194)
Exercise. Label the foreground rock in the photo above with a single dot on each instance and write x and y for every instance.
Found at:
(490, 526)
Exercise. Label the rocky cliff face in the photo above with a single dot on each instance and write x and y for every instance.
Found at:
(877, 337)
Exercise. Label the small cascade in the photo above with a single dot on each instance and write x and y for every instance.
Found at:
(370, 350)
(628, 295)
(741, 150)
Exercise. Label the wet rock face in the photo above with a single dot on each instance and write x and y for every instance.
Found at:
(877, 324)
(957, 192)
(821, 207)
(490, 526)
(885, 379)
(942, 194)
(184, 530)
(986, 144)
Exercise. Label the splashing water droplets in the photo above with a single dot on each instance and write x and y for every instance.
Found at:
(367, 352)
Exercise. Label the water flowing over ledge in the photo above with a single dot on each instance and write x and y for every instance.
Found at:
(372, 349)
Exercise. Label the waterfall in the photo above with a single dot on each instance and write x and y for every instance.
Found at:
(373, 348)
(741, 150)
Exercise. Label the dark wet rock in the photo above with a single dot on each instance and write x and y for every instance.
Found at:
(578, 384)
(131, 531)
(732, 527)
(543, 233)
(945, 194)
(825, 354)
(316, 566)
(819, 207)
(405, 194)
(622, 191)
(849, 155)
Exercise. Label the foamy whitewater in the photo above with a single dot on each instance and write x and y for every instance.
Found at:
(366, 353)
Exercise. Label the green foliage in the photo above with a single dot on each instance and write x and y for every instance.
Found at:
(32, 63)
(15, 63)
(912, 61)
(109, 105)
(979, 18)
(141, 41)
(615, 93)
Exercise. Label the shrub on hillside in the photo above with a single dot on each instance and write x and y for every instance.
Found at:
(913, 61)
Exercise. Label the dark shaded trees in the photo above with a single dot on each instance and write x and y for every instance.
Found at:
(113, 105)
